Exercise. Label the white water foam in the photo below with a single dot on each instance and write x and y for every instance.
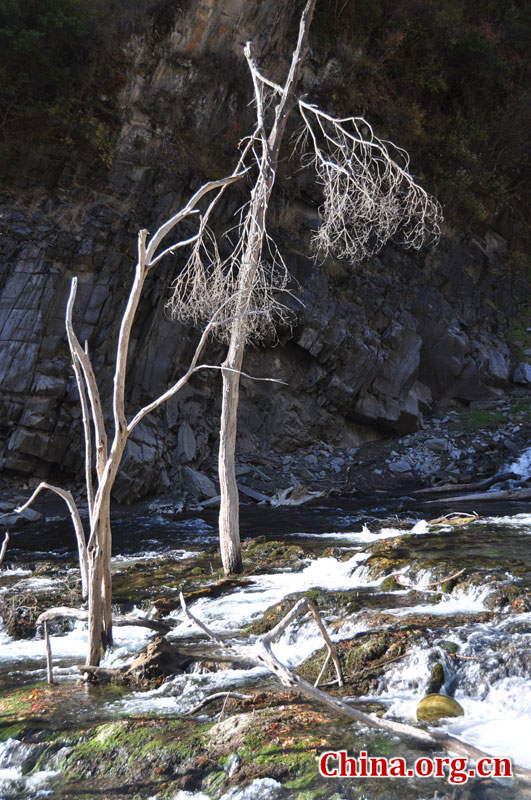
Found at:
(32, 584)
(121, 561)
(421, 527)
(127, 639)
(181, 693)
(517, 520)
(469, 600)
(231, 612)
(362, 537)
(13, 783)
(497, 721)
(522, 465)
(500, 723)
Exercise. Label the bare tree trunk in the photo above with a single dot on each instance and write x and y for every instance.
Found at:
(95, 555)
(95, 603)
(254, 231)
(229, 509)
(4, 548)
(49, 662)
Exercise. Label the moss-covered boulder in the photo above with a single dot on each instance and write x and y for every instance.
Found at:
(436, 679)
(436, 706)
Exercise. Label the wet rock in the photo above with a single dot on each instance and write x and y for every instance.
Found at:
(157, 661)
(16, 520)
(438, 706)
(436, 680)
(449, 647)
(253, 494)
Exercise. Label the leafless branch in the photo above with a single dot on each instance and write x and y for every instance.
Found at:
(369, 197)
(216, 696)
(260, 653)
(80, 357)
(76, 520)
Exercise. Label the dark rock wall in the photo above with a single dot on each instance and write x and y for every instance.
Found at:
(371, 349)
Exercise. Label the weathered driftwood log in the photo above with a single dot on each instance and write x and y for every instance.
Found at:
(447, 488)
(62, 612)
(261, 654)
(508, 494)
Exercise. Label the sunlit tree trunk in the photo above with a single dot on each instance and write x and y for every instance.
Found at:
(254, 231)
(95, 555)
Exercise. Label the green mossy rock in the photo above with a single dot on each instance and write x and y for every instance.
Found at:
(436, 706)
(436, 679)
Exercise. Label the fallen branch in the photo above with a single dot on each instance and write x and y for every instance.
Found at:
(403, 580)
(216, 696)
(261, 654)
(509, 494)
(446, 488)
(61, 612)
(455, 518)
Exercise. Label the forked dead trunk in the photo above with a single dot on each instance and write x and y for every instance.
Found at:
(254, 232)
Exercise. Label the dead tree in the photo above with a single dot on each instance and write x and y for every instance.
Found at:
(4, 548)
(95, 554)
(260, 653)
(369, 198)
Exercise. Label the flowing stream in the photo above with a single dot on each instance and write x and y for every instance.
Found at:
(486, 657)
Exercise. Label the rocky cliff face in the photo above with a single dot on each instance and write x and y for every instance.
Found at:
(371, 348)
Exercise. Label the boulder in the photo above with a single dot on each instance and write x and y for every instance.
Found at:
(197, 483)
(157, 660)
(522, 374)
(186, 444)
(436, 706)
(400, 467)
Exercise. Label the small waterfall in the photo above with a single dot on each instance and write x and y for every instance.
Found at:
(14, 756)
(522, 465)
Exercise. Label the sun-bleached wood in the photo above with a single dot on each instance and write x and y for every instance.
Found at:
(260, 653)
(65, 495)
(95, 554)
(369, 197)
(49, 662)
(4, 548)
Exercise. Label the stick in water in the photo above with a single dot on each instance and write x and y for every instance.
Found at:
(48, 654)
(4, 548)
